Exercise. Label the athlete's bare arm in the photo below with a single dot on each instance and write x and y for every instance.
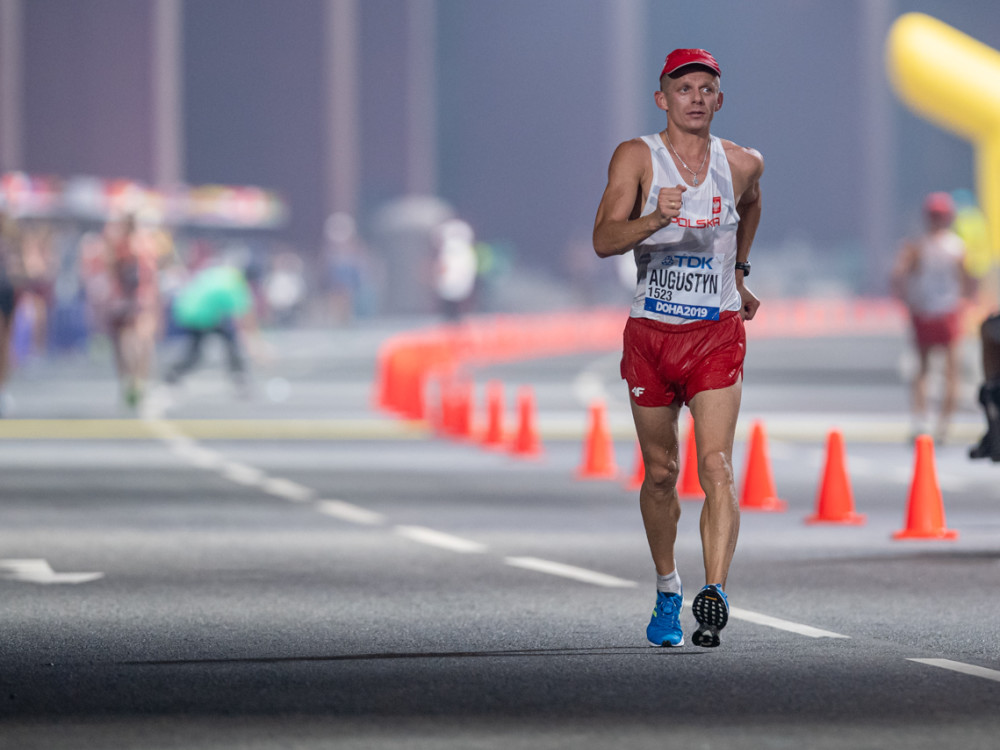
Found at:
(618, 227)
(746, 166)
(906, 263)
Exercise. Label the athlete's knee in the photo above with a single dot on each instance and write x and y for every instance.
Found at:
(662, 474)
(715, 468)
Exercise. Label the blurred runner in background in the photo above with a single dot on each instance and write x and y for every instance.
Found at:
(133, 307)
(931, 279)
(11, 277)
(217, 301)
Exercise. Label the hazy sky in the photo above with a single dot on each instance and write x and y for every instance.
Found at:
(524, 98)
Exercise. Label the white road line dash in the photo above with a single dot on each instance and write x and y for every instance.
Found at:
(241, 473)
(957, 666)
(288, 489)
(198, 456)
(779, 624)
(439, 539)
(569, 571)
(347, 512)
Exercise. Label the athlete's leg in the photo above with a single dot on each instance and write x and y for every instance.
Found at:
(952, 367)
(715, 413)
(192, 355)
(145, 344)
(990, 337)
(6, 329)
(234, 354)
(918, 391)
(989, 392)
(115, 329)
(658, 501)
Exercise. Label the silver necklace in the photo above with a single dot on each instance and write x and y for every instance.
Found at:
(694, 174)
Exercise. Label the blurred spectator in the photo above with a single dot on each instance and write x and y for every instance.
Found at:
(285, 288)
(930, 278)
(35, 298)
(96, 281)
(217, 301)
(11, 277)
(133, 308)
(69, 326)
(342, 260)
(456, 267)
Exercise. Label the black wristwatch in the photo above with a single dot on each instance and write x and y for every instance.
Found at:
(744, 267)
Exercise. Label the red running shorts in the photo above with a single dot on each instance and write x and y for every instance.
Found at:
(663, 362)
(939, 330)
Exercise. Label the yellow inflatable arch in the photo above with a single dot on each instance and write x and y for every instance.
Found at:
(953, 80)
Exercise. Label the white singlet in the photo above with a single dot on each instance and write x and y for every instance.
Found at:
(935, 287)
(685, 270)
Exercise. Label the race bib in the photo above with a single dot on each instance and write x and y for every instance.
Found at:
(685, 286)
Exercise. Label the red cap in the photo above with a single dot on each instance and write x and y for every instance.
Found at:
(939, 203)
(681, 57)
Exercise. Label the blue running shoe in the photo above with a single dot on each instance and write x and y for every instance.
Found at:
(664, 627)
(711, 609)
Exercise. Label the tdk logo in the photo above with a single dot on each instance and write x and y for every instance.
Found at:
(688, 261)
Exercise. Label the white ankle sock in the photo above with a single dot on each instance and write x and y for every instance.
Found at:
(670, 584)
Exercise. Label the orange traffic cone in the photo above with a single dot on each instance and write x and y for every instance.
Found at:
(526, 442)
(758, 481)
(835, 501)
(689, 487)
(598, 450)
(440, 416)
(448, 421)
(638, 471)
(494, 437)
(463, 424)
(925, 510)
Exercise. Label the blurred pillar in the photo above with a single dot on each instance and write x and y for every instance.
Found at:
(878, 165)
(421, 103)
(11, 85)
(168, 114)
(343, 131)
(626, 39)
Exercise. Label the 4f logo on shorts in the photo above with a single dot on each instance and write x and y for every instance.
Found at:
(638, 391)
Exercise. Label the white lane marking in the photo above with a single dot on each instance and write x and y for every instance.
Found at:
(156, 405)
(39, 571)
(569, 571)
(957, 666)
(288, 489)
(779, 624)
(439, 539)
(241, 473)
(347, 512)
(196, 455)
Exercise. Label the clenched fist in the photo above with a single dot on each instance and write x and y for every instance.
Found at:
(668, 203)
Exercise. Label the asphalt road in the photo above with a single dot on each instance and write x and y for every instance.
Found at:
(295, 570)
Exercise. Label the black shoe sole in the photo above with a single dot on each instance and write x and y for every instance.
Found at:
(712, 614)
(707, 637)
